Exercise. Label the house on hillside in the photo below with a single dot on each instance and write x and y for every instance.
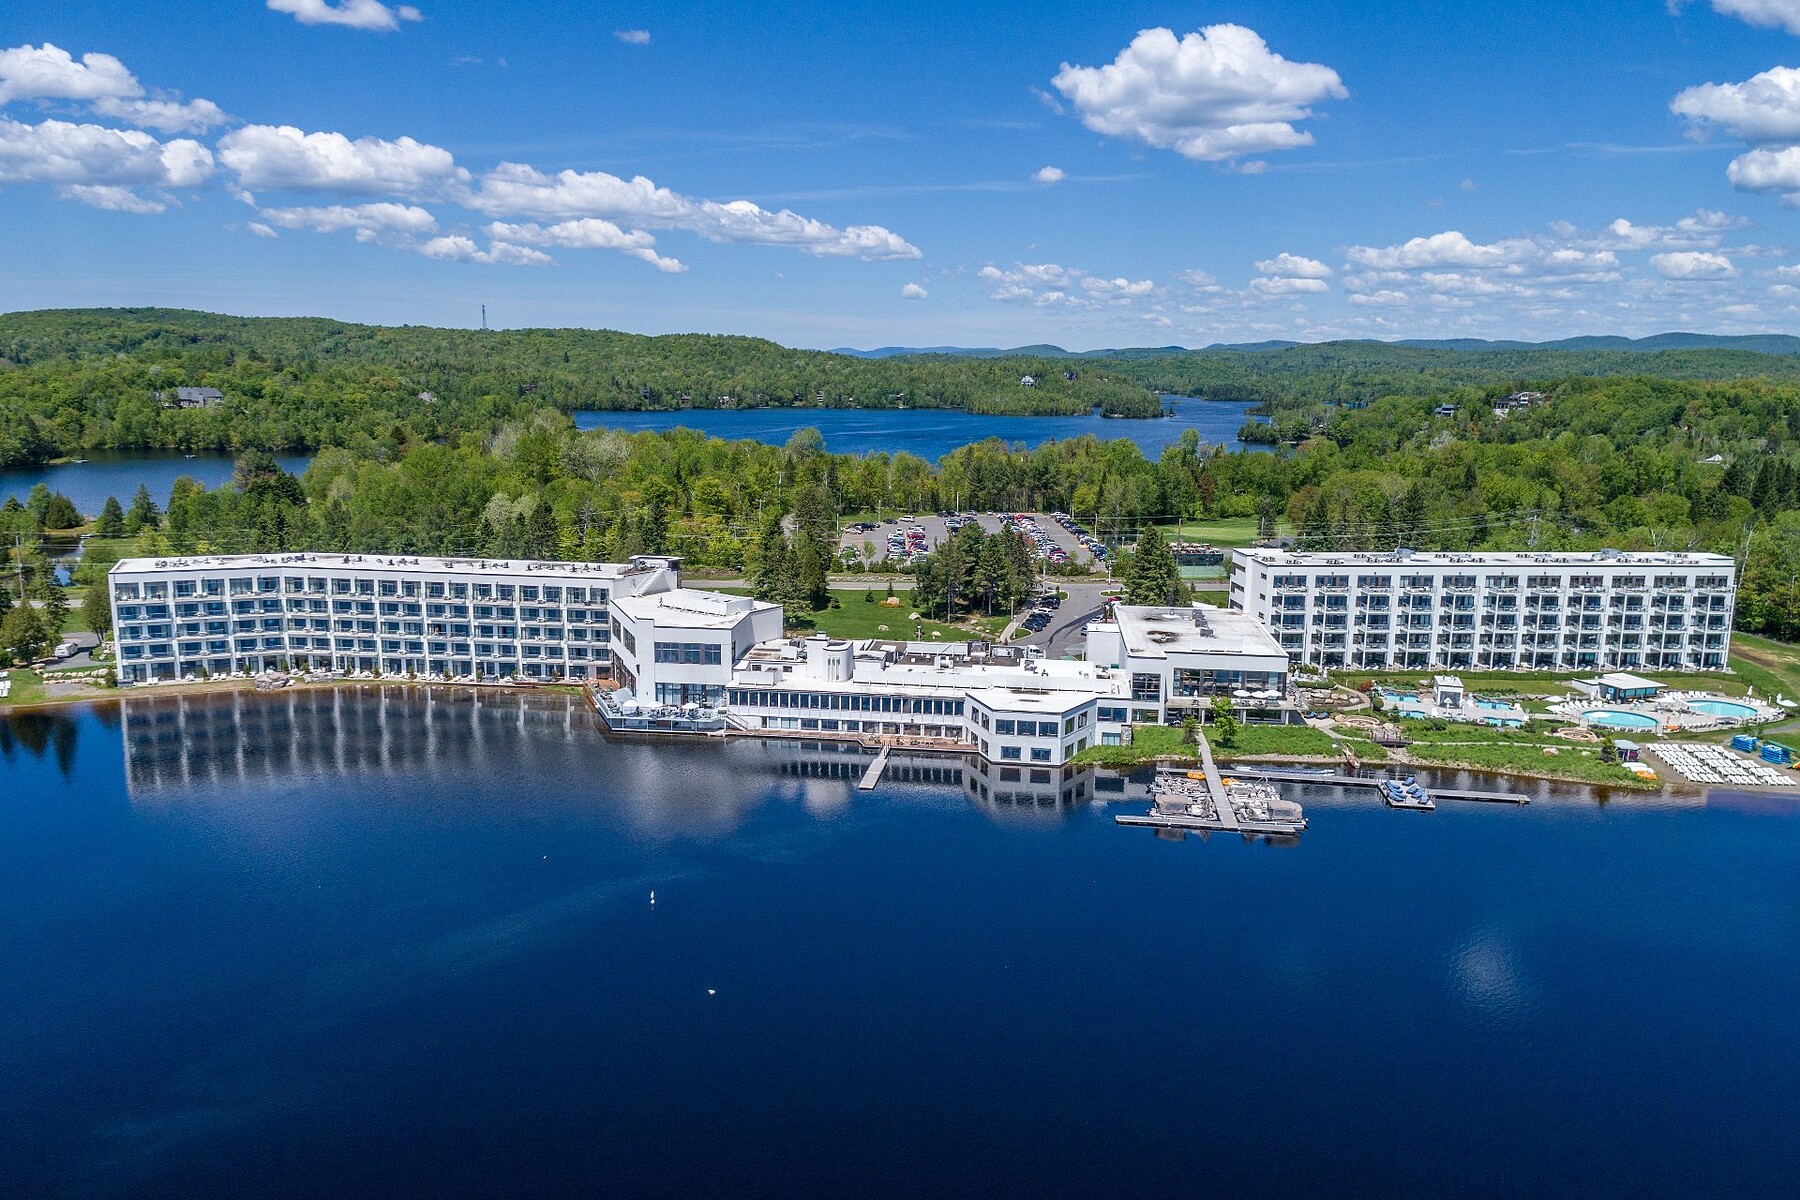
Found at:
(1027, 381)
(192, 397)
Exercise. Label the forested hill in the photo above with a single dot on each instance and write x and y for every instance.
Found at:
(87, 378)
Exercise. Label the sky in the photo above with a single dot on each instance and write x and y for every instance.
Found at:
(999, 174)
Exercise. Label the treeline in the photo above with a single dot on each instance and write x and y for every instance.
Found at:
(88, 379)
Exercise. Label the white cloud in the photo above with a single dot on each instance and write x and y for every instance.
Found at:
(1285, 286)
(1701, 230)
(261, 230)
(283, 157)
(514, 189)
(1768, 171)
(1693, 264)
(633, 37)
(588, 233)
(912, 291)
(1294, 266)
(165, 116)
(1452, 248)
(118, 199)
(1763, 108)
(1386, 298)
(1043, 284)
(1467, 185)
(351, 14)
(96, 155)
(1197, 279)
(385, 221)
(1049, 175)
(457, 248)
(1214, 95)
(1768, 14)
(49, 72)
(1116, 287)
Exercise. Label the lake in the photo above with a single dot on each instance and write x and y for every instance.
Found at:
(928, 433)
(391, 942)
(88, 484)
(932, 433)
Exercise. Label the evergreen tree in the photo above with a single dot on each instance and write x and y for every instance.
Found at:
(112, 519)
(1153, 577)
(542, 535)
(61, 513)
(772, 561)
(144, 514)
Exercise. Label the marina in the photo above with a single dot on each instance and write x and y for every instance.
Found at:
(1276, 774)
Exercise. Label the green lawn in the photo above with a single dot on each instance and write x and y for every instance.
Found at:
(27, 688)
(1148, 743)
(1569, 762)
(1216, 599)
(1224, 532)
(860, 614)
(1254, 740)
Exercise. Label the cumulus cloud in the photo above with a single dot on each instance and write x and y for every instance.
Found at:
(1049, 175)
(1052, 285)
(514, 189)
(1693, 264)
(1272, 285)
(1763, 108)
(1294, 266)
(164, 116)
(82, 155)
(48, 72)
(351, 14)
(385, 221)
(588, 233)
(912, 291)
(633, 37)
(285, 158)
(1702, 229)
(1214, 95)
(457, 248)
(1768, 171)
(1452, 248)
(1197, 279)
(261, 230)
(1767, 14)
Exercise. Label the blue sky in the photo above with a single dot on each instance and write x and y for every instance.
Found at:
(1092, 175)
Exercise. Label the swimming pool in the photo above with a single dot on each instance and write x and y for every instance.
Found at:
(1723, 708)
(1613, 719)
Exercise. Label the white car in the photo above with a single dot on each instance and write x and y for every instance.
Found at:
(68, 650)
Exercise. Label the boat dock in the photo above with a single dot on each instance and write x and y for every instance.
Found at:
(1277, 775)
(872, 776)
(1204, 801)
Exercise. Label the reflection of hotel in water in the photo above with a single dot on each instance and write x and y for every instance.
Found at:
(245, 739)
(241, 737)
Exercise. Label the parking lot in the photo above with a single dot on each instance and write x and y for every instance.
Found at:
(899, 540)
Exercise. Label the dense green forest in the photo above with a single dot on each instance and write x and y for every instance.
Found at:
(81, 380)
(1631, 460)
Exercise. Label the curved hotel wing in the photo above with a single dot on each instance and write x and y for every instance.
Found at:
(454, 617)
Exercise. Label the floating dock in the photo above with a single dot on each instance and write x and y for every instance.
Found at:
(872, 776)
(1276, 775)
(1207, 802)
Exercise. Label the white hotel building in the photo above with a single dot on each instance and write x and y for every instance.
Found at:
(465, 618)
(1411, 610)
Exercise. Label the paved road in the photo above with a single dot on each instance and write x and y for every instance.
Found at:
(1066, 633)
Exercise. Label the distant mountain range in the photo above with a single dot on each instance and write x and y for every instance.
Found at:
(1758, 343)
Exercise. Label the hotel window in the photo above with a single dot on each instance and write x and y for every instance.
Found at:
(1146, 687)
(1003, 727)
(1040, 754)
(1010, 752)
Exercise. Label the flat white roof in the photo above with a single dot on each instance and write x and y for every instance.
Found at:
(1400, 560)
(1200, 629)
(380, 564)
(689, 608)
(1626, 681)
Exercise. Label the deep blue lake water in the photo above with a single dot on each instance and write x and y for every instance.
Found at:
(363, 943)
(88, 484)
(933, 433)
